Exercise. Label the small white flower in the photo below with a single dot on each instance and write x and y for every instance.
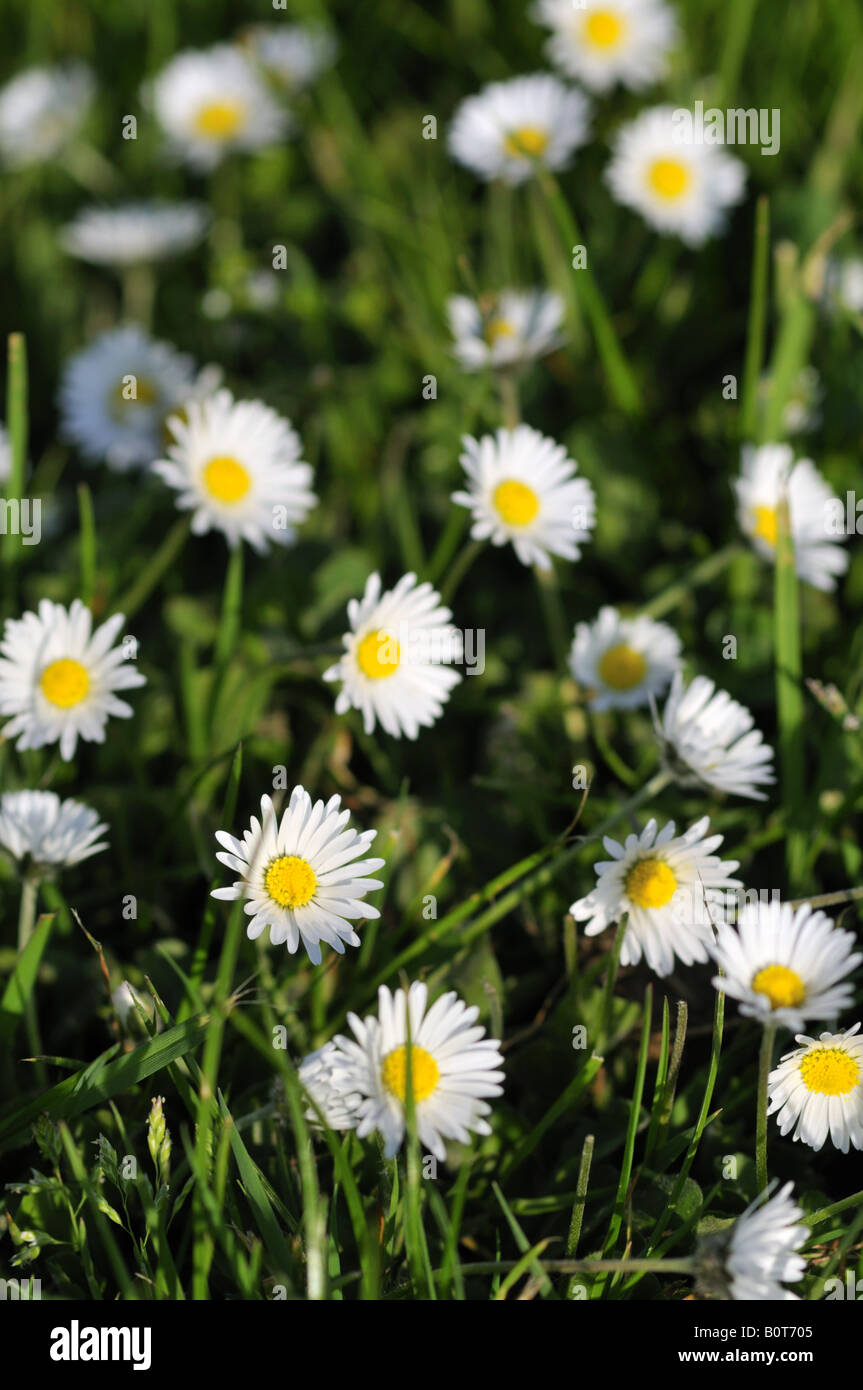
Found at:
(300, 875)
(505, 330)
(41, 112)
(50, 832)
(769, 472)
(752, 1260)
(601, 42)
(316, 1076)
(623, 662)
(58, 678)
(522, 489)
(124, 999)
(817, 1090)
(711, 739)
(669, 887)
(134, 233)
(512, 127)
(212, 101)
(294, 54)
(844, 284)
(679, 186)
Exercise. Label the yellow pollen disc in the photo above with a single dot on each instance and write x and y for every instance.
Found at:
(603, 29)
(783, 987)
(765, 524)
(424, 1073)
(828, 1071)
(219, 120)
(378, 655)
(650, 883)
(290, 881)
(517, 503)
(526, 140)
(622, 667)
(64, 683)
(669, 178)
(498, 328)
(226, 479)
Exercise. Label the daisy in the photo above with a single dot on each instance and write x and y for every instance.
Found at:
(668, 886)
(767, 474)
(505, 330)
(294, 54)
(601, 42)
(51, 833)
(785, 966)
(237, 466)
(454, 1067)
(41, 112)
(212, 101)
(679, 185)
(134, 233)
(513, 127)
(817, 1090)
(623, 662)
(394, 666)
(300, 876)
(522, 488)
(316, 1076)
(754, 1258)
(710, 740)
(58, 678)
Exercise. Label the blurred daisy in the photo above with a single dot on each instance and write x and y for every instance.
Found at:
(395, 666)
(817, 1090)
(669, 887)
(623, 662)
(300, 874)
(844, 284)
(767, 473)
(454, 1068)
(294, 54)
(601, 42)
(785, 966)
(51, 833)
(59, 679)
(710, 739)
(754, 1258)
(513, 127)
(505, 330)
(237, 466)
(680, 186)
(41, 112)
(522, 489)
(210, 102)
(134, 233)
(316, 1076)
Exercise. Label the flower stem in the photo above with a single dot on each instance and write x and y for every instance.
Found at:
(26, 922)
(459, 569)
(765, 1062)
(158, 565)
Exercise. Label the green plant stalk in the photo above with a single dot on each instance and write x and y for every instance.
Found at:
(755, 333)
(87, 528)
(157, 566)
(459, 568)
(26, 923)
(702, 573)
(631, 1129)
(577, 1218)
(789, 698)
(765, 1061)
(229, 629)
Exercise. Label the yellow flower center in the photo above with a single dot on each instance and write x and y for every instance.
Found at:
(378, 655)
(424, 1073)
(290, 881)
(219, 120)
(766, 525)
(669, 178)
(783, 987)
(650, 883)
(517, 503)
(528, 140)
(226, 479)
(64, 683)
(829, 1071)
(498, 328)
(622, 667)
(604, 29)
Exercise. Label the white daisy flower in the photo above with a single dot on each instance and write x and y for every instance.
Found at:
(623, 662)
(294, 54)
(37, 825)
(680, 186)
(300, 875)
(395, 664)
(753, 1259)
(670, 887)
(522, 489)
(237, 466)
(454, 1067)
(767, 473)
(817, 1090)
(507, 329)
(710, 740)
(601, 42)
(512, 127)
(786, 966)
(41, 112)
(59, 678)
(210, 102)
(316, 1076)
(134, 233)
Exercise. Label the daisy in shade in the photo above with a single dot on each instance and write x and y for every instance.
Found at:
(679, 184)
(769, 473)
(709, 739)
(505, 330)
(238, 467)
(303, 876)
(755, 1258)
(316, 1076)
(134, 233)
(623, 662)
(669, 886)
(50, 833)
(41, 112)
(786, 966)
(522, 490)
(512, 128)
(817, 1090)
(294, 54)
(59, 679)
(454, 1069)
(395, 665)
(210, 102)
(601, 42)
